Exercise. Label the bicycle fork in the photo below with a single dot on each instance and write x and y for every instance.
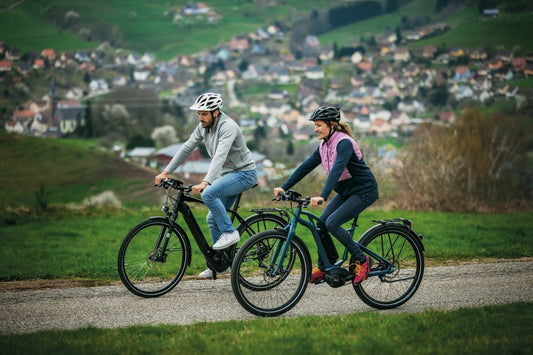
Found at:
(282, 248)
(159, 253)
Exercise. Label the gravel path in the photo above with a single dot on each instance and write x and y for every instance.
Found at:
(443, 288)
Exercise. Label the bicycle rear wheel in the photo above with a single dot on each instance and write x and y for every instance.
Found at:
(260, 222)
(396, 244)
(143, 269)
(252, 280)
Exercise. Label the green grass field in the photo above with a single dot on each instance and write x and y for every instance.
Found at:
(85, 245)
(30, 32)
(381, 24)
(467, 30)
(501, 329)
(68, 170)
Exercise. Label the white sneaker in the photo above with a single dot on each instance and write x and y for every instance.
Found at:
(226, 240)
(208, 273)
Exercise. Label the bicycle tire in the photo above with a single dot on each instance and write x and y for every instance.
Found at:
(260, 222)
(397, 244)
(252, 266)
(143, 276)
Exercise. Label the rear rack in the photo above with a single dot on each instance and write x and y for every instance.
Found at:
(404, 221)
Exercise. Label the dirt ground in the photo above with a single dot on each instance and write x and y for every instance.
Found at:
(39, 284)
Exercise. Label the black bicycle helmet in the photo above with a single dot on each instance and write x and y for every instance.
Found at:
(326, 113)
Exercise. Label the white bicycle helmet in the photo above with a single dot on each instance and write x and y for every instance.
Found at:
(209, 101)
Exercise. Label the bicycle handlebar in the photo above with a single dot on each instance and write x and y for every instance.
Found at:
(294, 196)
(175, 184)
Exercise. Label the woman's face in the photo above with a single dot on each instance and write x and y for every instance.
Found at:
(321, 129)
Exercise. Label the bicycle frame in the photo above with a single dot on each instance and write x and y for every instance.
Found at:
(191, 222)
(212, 257)
(310, 224)
(180, 206)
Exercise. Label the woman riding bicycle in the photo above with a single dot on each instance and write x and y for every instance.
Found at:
(232, 169)
(349, 176)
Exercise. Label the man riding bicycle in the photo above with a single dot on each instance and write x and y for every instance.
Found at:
(232, 169)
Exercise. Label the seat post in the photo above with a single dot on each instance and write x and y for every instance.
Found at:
(233, 209)
(235, 206)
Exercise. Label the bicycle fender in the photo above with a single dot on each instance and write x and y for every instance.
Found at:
(177, 229)
(418, 238)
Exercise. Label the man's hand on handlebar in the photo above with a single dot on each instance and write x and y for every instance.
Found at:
(162, 176)
(197, 189)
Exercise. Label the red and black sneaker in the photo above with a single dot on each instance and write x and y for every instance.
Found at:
(317, 277)
(359, 270)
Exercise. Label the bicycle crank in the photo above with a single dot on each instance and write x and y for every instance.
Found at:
(338, 277)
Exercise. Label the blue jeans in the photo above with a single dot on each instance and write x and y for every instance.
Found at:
(221, 195)
(339, 211)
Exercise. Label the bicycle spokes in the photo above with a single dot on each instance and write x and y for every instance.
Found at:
(399, 275)
(259, 284)
(150, 264)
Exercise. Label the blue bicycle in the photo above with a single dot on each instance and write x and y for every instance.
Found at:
(271, 270)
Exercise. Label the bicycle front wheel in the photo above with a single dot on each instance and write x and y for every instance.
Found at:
(255, 284)
(396, 244)
(144, 267)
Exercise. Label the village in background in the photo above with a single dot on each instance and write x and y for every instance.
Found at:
(391, 89)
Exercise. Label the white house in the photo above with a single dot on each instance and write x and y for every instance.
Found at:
(314, 73)
(463, 92)
(141, 154)
(98, 86)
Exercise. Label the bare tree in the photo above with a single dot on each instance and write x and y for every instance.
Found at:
(480, 163)
(164, 135)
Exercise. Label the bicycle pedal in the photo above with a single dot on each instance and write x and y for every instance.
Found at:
(338, 277)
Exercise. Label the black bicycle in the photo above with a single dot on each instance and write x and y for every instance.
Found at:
(155, 253)
(271, 270)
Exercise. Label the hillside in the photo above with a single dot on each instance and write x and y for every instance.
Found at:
(137, 25)
(468, 28)
(67, 172)
(157, 27)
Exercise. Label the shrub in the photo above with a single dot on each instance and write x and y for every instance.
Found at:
(479, 163)
(105, 199)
